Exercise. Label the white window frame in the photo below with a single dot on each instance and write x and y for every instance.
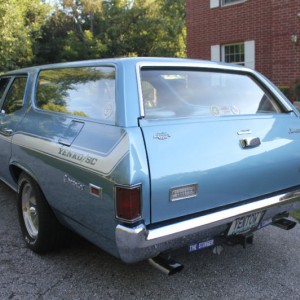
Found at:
(217, 53)
(232, 3)
(229, 45)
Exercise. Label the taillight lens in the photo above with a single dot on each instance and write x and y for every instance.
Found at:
(128, 203)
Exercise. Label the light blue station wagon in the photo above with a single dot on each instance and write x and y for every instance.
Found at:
(142, 156)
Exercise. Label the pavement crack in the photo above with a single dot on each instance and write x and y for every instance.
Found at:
(55, 284)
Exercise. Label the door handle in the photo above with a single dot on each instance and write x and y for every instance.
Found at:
(7, 132)
(250, 142)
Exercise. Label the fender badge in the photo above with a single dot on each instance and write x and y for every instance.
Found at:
(77, 184)
(294, 130)
(161, 136)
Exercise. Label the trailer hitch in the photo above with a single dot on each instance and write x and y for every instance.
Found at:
(285, 224)
(242, 240)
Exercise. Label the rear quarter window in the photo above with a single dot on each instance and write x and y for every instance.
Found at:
(3, 85)
(15, 96)
(86, 91)
(187, 93)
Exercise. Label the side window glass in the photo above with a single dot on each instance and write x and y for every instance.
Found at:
(3, 84)
(14, 98)
(86, 91)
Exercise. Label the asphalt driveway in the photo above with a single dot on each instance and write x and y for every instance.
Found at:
(269, 269)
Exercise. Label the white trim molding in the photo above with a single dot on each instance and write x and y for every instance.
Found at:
(214, 3)
(215, 54)
(250, 54)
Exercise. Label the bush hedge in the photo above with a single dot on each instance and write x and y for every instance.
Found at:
(292, 92)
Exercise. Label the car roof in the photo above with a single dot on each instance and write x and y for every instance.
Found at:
(126, 61)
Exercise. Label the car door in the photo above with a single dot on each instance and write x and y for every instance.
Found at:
(13, 92)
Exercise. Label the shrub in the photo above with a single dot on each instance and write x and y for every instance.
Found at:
(286, 91)
(293, 91)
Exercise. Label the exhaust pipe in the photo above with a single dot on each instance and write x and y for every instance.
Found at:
(166, 265)
(285, 224)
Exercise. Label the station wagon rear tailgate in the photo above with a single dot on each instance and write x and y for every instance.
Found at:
(202, 164)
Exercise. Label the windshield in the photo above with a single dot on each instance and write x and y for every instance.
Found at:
(172, 93)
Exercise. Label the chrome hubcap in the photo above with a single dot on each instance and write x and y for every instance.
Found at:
(30, 215)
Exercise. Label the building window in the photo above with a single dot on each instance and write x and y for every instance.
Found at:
(228, 2)
(241, 53)
(234, 53)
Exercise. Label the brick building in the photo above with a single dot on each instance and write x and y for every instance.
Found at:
(261, 34)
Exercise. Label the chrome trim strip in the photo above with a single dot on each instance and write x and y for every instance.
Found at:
(246, 131)
(139, 83)
(139, 243)
(184, 63)
(219, 217)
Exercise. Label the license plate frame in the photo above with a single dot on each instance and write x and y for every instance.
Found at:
(245, 224)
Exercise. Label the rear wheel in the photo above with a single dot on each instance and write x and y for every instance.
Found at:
(40, 228)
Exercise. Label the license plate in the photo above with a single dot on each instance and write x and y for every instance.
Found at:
(245, 224)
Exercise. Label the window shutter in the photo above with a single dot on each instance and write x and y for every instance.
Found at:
(250, 54)
(214, 3)
(215, 53)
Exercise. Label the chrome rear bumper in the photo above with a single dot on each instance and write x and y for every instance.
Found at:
(139, 243)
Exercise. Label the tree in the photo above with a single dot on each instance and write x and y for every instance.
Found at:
(145, 27)
(173, 36)
(85, 29)
(20, 22)
(51, 42)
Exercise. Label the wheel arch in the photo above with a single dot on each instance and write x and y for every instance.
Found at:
(17, 169)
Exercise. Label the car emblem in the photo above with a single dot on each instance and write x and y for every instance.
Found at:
(161, 136)
(294, 130)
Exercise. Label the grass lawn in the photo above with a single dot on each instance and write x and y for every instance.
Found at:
(296, 214)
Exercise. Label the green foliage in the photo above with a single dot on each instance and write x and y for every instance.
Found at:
(88, 29)
(32, 32)
(285, 90)
(20, 22)
(172, 31)
(296, 214)
(292, 92)
(50, 45)
(295, 90)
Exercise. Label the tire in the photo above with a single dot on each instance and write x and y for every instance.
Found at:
(40, 228)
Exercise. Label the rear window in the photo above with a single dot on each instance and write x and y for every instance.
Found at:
(187, 93)
(87, 91)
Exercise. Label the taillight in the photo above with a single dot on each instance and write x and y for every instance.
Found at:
(128, 203)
